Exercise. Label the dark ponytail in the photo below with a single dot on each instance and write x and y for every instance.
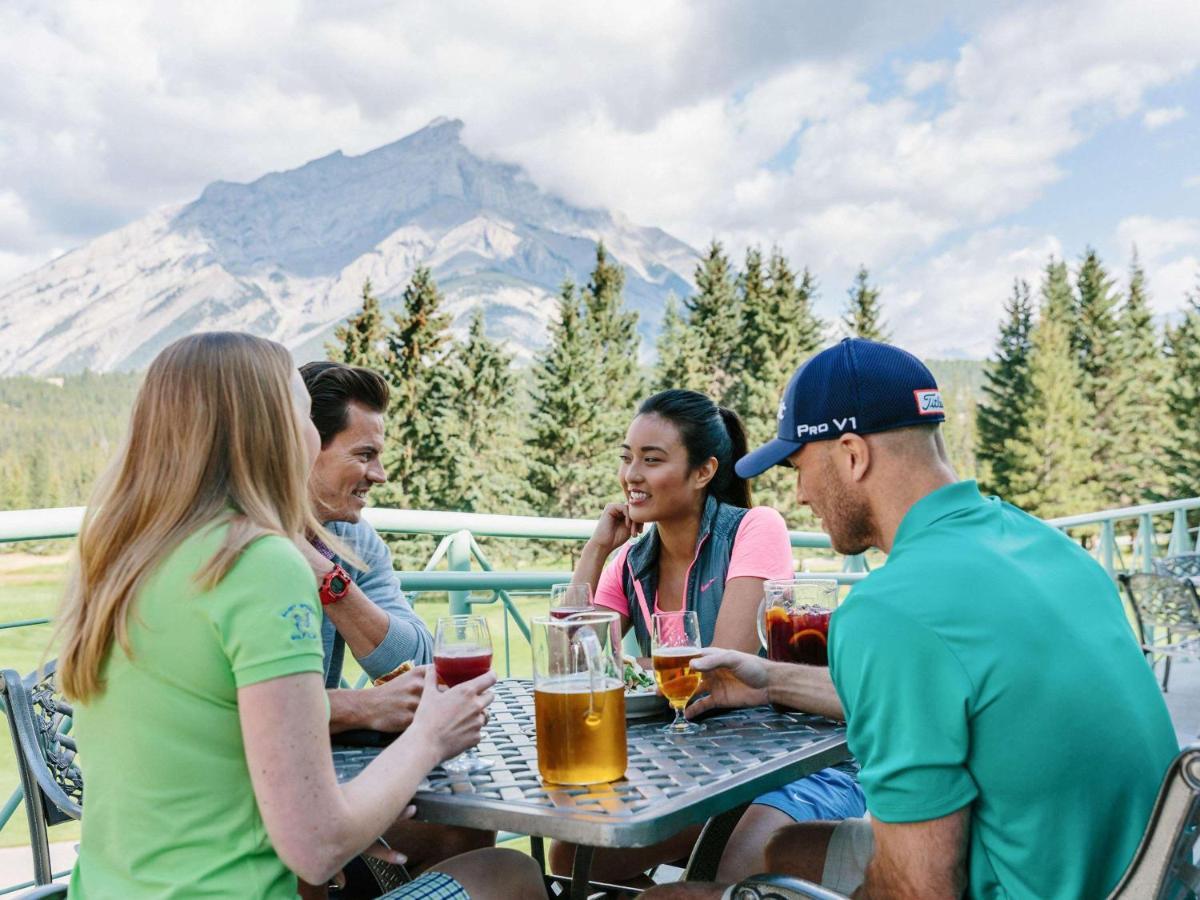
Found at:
(707, 431)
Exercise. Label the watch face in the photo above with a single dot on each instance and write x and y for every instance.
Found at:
(338, 584)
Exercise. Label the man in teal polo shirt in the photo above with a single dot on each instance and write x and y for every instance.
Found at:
(1011, 736)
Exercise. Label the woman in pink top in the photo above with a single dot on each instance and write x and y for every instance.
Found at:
(701, 547)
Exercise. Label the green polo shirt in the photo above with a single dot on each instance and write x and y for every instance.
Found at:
(169, 808)
(990, 664)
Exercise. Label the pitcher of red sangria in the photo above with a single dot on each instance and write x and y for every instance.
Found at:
(793, 620)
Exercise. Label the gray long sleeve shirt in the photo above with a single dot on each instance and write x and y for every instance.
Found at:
(407, 637)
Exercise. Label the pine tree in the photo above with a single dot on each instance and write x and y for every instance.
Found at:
(419, 374)
(569, 450)
(485, 465)
(779, 331)
(362, 339)
(1052, 470)
(612, 331)
(1183, 401)
(678, 352)
(1141, 423)
(714, 320)
(864, 315)
(1100, 359)
(1002, 416)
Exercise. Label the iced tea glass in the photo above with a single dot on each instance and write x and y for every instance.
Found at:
(569, 599)
(462, 650)
(794, 624)
(675, 642)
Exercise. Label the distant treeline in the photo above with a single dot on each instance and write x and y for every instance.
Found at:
(1084, 405)
(57, 434)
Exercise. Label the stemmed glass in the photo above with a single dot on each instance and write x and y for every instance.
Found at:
(675, 642)
(568, 599)
(462, 650)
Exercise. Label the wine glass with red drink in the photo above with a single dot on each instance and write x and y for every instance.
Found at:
(462, 650)
(568, 599)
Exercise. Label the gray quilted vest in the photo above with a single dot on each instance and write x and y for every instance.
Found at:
(706, 578)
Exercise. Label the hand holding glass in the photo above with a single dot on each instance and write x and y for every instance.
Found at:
(675, 642)
(462, 650)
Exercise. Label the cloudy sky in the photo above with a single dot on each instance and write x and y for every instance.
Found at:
(948, 147)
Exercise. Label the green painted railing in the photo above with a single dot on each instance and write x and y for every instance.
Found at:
(1137, 529)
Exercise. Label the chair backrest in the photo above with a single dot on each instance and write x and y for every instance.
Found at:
(38, 721)
(1162, 601)
(1183, 565)
(1164, 865)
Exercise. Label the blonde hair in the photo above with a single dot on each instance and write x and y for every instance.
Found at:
(213, 439)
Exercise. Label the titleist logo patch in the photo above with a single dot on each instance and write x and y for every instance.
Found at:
(929, 402)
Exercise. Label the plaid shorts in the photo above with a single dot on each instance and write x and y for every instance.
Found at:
(430, 886)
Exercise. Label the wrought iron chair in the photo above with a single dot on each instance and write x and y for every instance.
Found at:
(1164, 866)
(1168, 617)
(38, 721)
(1183, 565)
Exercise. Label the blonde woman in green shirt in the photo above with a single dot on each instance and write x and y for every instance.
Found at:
(191, 646)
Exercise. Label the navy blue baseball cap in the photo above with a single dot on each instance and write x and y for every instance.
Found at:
(855, 387)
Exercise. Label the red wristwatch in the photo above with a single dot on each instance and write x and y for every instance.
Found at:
(334, 585)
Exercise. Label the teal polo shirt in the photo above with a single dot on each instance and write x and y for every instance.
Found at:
(989, 663)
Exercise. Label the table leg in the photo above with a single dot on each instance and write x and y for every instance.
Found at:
(706, 854)
(537, 851)
(580, 872)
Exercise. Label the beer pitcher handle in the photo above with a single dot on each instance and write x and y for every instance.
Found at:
(584, 642)
(760, 621)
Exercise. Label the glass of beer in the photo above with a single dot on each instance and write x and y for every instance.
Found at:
(579, 698)
(794, 620)
(462, 650)
(569, 599)
(675, 642)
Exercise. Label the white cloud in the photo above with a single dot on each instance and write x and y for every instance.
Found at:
(1169, 250)
(696, 117)
(1157, 118)
(921, 76)
(952, 305)
(1192, 181)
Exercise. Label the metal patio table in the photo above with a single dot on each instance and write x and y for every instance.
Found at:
(671, 781)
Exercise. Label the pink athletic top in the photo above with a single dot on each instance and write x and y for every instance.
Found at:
(761, 549)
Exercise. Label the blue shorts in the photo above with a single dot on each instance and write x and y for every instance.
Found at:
(829, 796)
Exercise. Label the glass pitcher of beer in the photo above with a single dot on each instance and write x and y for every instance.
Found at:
(579, 698)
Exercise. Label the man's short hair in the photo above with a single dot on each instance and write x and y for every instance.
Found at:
(333, 386)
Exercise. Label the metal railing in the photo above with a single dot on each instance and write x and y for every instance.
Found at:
(1144, 541)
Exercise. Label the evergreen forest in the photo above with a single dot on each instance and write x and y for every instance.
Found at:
(1085, 403)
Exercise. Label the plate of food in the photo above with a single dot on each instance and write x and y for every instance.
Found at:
(642, 698)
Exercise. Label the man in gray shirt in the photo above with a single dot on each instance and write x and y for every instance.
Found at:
(365, 609)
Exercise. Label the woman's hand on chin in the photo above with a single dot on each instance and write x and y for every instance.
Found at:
(615, 527)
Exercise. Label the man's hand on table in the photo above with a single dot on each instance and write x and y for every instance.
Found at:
(731, 678)
(388, 707)
(734, 679)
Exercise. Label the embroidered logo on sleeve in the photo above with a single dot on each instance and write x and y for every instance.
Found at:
(302, 622)
(929, 403)
(704, 587)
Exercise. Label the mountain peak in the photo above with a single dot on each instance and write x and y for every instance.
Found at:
(286, 255)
